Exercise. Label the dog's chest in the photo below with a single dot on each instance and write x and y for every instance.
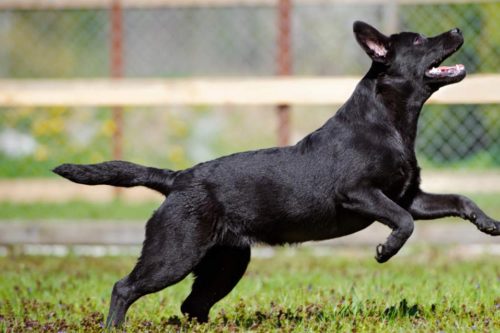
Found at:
(404, 177)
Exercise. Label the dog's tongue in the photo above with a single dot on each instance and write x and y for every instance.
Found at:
(443, 71)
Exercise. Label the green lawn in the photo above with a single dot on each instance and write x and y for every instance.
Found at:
(116, 210)
(121, 210)
(286, 293)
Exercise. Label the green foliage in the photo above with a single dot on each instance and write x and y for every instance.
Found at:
(59, 134)
(291, 292)
(173, 138)
(91, 211)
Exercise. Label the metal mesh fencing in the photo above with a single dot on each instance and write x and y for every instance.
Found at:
(203, 41)
(54, 43)
(225, 41)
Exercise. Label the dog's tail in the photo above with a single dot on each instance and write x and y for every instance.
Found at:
(118, 173)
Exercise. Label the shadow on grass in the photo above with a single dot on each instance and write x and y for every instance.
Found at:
(278, 316)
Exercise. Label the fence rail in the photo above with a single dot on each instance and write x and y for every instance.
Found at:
(132, 233)
(59, 190)
(476, 89)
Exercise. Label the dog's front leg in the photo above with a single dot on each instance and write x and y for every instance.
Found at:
(427, 206)
(374, 204)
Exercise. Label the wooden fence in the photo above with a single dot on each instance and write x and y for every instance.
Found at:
(475, 89)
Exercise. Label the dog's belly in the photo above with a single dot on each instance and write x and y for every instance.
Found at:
(287, 232)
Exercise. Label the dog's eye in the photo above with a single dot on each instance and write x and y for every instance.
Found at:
(418, 40)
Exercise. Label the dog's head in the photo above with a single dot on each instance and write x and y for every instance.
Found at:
(413, 56)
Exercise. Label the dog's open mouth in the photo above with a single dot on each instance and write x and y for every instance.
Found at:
(445, 71)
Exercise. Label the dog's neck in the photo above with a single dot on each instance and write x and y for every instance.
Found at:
(396, 99)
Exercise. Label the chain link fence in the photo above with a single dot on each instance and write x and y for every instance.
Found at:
(228, 40)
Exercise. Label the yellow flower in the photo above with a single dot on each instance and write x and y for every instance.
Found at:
(96, 157)
(108, 127)
(179, 128)
(58, 111)
(41, 153)
(25, 112)
(51, 126)
(40, 128)
(56, 125)
(176, 154)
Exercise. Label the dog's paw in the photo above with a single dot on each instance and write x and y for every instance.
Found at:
(494, 230)
(488, 226)
(382, 254)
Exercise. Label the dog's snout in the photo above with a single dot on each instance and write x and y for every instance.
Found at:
(456, 31)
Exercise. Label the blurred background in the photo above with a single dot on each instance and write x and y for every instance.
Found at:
(73, 47)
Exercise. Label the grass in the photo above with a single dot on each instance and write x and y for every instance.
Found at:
(115, 210)
(285, 293)
(122, 210)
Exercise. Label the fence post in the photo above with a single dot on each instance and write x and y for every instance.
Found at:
(116, 64)
(391, 18)
(284, 58)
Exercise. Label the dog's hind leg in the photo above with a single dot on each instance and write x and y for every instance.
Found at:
(172, 249)
(215, 276)
(374, 204)
(427, 206)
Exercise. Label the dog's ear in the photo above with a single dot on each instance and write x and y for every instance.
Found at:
(375, 43)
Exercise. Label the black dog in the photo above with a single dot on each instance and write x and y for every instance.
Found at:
(359, 167)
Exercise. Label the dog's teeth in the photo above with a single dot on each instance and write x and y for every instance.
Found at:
(434, 70)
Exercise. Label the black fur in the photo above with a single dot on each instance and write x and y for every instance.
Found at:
(358, 168)
(118, 173)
